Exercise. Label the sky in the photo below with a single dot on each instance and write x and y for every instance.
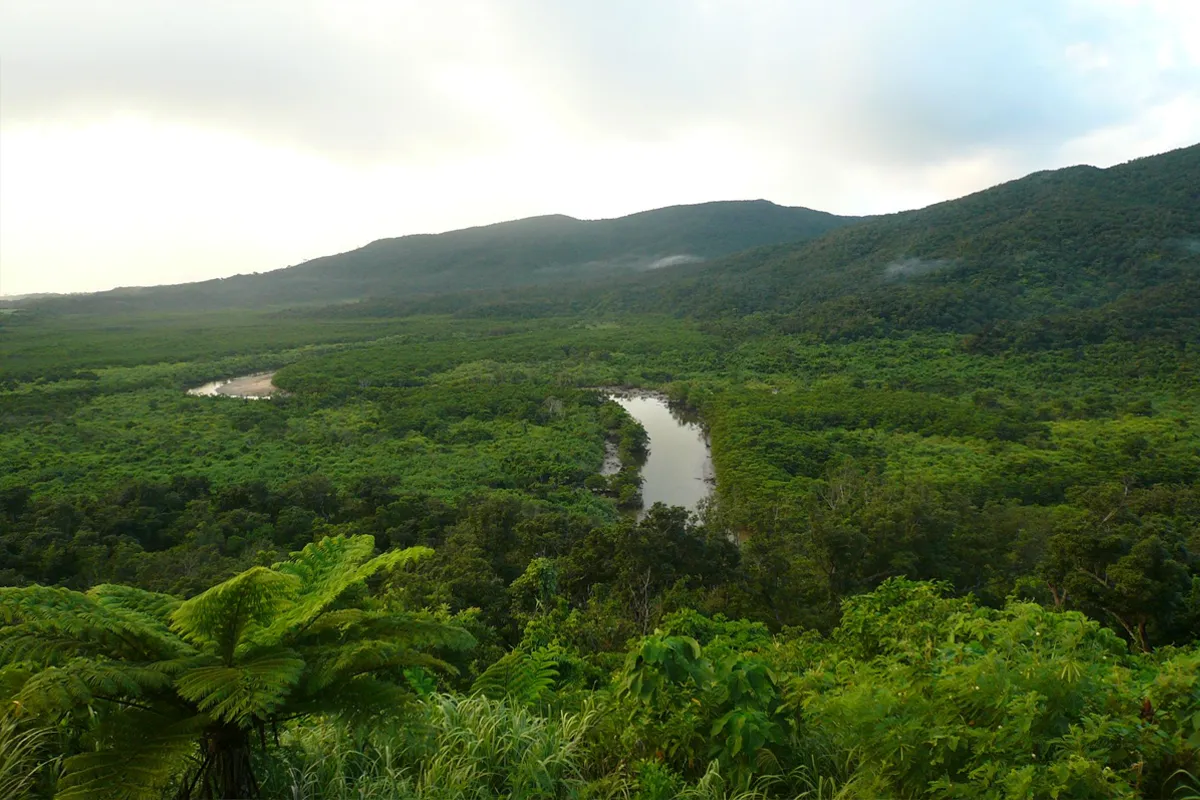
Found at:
(145, 142)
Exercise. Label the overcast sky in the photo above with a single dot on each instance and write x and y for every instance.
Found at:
(159, 142)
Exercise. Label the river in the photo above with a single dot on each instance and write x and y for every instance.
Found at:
(249, 387)
(678, 471)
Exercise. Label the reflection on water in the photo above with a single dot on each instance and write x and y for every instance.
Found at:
(249, 387)
(679, 470)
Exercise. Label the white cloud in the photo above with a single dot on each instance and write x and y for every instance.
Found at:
(147, 142)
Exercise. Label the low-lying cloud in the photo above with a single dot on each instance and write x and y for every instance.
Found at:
(915, 267)
(674, 261)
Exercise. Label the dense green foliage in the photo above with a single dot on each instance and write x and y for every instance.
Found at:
(954, 552)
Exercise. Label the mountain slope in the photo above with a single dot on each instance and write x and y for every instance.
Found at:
(1069, 254)
(525, 252)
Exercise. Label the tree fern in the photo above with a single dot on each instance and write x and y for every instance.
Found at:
(177, 687)
(45, 624)
(82, 681)
(325, 570)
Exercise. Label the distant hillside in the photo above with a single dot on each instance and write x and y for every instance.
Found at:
(1067, 256)
(540, 250)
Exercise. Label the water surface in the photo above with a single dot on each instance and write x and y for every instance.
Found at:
(248, 387)
(679, 470)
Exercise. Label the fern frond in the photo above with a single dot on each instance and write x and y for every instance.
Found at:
(418, 632)
(139, 761)
(392, 559)
(358, 699)
(225, 616)
(325, 570)
(77, 624)
(24, 602)
(340, 663)
(80, 682)
(334, 624)
(523, 678)
(31, 643)
(244, 692)
(136, 605)
(412, 630)
(152, 604)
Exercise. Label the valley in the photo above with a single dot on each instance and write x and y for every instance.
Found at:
(902, 506)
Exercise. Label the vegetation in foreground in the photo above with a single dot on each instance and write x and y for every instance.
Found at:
(298, 681)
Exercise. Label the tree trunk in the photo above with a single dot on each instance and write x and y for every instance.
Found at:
(230, 774)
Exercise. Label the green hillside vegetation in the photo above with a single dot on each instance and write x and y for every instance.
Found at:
(541, 250)
(1053, 259)
(950, 553)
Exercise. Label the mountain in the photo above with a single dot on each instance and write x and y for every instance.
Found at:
(1065, 256)
(540, 250)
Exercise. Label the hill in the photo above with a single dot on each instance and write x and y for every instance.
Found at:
(539, 250)
(1065, 256)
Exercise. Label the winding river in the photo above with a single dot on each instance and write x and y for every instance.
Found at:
(679, 470)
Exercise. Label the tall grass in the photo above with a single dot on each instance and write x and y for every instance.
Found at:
(23, 759)
(465, 748)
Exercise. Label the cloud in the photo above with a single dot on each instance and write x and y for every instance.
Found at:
(299, 126)
(915, 267)
(673, 261)
(891, 79)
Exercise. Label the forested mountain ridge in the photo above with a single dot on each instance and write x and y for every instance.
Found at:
(1069, 254)
(538, 250)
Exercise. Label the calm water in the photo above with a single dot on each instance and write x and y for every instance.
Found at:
(249, 387)
(679, 470)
